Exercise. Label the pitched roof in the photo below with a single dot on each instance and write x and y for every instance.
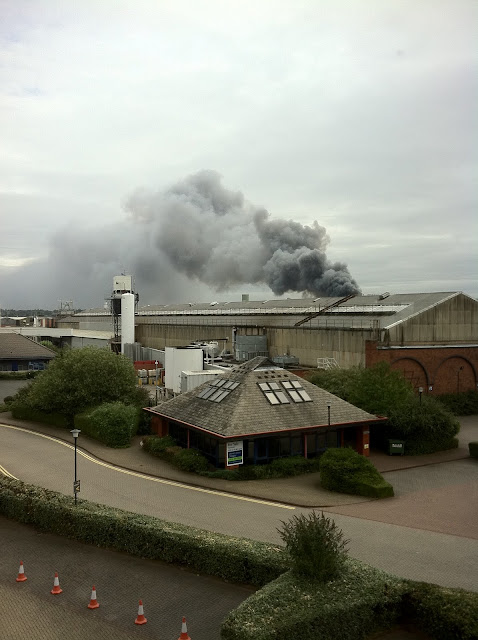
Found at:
(14, 346)
(246, 409)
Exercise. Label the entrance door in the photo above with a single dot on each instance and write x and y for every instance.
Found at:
(261, 451)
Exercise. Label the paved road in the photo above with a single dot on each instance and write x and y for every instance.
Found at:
(404, 550)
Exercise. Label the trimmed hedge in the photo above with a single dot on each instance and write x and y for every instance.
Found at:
(473, 447)
(22, 412)
(234, 559)
(166, 449)
(346, 471)
(441, 612)
(112, 423)
(460, 404)
(362, 600)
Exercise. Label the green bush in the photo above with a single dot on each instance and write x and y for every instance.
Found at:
(346, 471)
(157, 445)
(24, 412)
(473, 448)
(460, 404)
(362, 601)
(316, 546)
(112, 423)
(441, 612)
(8, 399)
(191, 460)
(234, 559)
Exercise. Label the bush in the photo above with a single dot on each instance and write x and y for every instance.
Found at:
(24, 412)
(8, 399)
(362, 601)
(473, 448)
(112, 423)
(346, 471)
(234, 559)
(441, 612)
(316, 546)
(191, 460)
(156, 445)
(460, 404)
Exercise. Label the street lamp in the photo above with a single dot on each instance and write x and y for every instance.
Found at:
(76, 484)
(328, 412)
(420, 391)
(458, 379)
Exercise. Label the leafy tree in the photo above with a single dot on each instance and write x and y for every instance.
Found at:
(49, 345)
(82, 378)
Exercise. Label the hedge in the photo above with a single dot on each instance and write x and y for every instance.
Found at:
(346, 471)
(233, 559)
(460, 404)
(362, 600)
(473, 447)
(112, 423)
(22, 412)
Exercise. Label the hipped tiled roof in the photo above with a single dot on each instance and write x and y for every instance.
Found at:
(246, 410)
(14, 346)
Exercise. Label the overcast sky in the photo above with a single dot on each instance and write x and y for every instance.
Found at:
(360, 115)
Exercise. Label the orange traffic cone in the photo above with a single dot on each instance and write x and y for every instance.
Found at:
(21, 574)
(184, 631)
(56, 585)
(93, 601)
(140, 619)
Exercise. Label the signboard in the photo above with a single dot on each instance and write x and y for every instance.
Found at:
(76, 486)
(235, 453)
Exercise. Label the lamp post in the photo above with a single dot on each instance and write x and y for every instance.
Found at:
(328, 412)
(458, 379)
(420, 391)
(76, 484)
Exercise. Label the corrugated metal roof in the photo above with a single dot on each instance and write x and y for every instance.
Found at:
(14, 346)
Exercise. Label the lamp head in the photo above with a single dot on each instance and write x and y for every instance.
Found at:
(75, 432)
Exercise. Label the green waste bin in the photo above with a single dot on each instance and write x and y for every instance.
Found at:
(396, 447)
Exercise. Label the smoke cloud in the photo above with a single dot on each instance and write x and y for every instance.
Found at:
(179, 243)
(212, 234)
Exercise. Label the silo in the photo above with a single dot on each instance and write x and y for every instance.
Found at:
(127, 319)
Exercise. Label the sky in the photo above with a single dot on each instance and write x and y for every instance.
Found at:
(197, 144)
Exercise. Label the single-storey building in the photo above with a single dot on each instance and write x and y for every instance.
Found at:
(258, 412)
(19, 353)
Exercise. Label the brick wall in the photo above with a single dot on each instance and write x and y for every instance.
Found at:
(444, 369)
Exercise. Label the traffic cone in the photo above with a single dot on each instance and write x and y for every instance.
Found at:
(56, 585)
(21, 574)
(184, 631)
(140, 619)
(93, 601)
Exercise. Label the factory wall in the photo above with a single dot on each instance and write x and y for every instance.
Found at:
(454, 321)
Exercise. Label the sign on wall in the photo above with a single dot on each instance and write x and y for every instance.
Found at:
(235, 452)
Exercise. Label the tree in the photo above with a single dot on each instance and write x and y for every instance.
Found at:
(81, 378)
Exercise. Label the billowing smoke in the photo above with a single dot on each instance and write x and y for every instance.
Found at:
(213, 235)
(179, 244)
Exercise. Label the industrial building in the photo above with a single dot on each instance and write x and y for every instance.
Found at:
(431, 337)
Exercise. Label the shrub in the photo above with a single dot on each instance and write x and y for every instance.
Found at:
(191, 460)
(460, 404)
(24, 412)
(8, 399)
(346, 471)
(473, 448)
(316, 546)
(156, 445)
(235, 559)
(112, 423)
(443, 613)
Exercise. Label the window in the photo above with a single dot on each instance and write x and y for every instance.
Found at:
(271, 396)
(283, 399)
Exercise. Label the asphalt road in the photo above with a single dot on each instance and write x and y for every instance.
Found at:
(404, 550)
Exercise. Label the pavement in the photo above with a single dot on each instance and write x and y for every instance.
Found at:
(436, 493)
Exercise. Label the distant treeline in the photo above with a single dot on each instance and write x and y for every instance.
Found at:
(31, 312)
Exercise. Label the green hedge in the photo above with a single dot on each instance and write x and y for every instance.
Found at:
(460, 404)
(112, 423)
(473, 447)
(166, 449)
(443, 613)
(234, 559)
(362, 600)
(346, 471)
(22, 412)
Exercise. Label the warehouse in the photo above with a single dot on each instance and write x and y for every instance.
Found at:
(431, 337)
(264, 412)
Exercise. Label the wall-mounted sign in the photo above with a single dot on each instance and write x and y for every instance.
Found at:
(235, 453)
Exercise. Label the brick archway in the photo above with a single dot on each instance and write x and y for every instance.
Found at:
(454, 374)
(413, 370)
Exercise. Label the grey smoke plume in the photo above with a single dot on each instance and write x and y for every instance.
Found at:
(213, 235)
(180, 243)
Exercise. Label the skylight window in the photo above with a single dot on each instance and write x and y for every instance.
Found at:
(271, 396)
(282, 397)
(295, 396)
(304, 395)
(221, 396)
